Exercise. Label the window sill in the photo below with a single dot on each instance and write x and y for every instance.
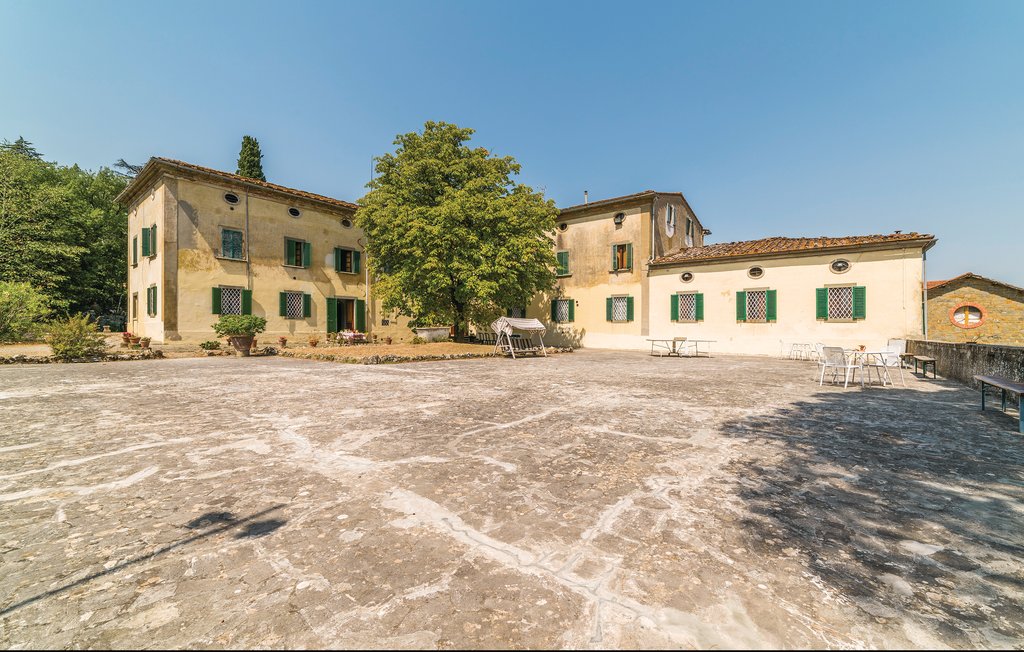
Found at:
(563, 275)
(841, 321)
(688, 321)
(620, 271)
(295, 266)
(237, 260)
(344, 272)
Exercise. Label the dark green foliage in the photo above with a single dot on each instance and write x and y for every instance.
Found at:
(21, 147)
(451, 237)
(209, 345)
(239, 325)
(62, 231)
(250, 159)
(126, 169)
(75, 337)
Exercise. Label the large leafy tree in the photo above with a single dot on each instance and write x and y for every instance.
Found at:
(21, 147)
(250, 159)
(452, 238)
(62, 231)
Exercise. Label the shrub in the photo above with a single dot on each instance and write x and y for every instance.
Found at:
(210, 345)
(22, 310)
(239, 325)
(417, 340)
(75, 337)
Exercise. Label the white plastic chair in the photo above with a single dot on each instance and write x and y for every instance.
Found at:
(837, 360)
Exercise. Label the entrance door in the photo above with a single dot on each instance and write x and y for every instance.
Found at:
(346, 314)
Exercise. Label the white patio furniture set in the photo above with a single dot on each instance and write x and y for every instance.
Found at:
(837, 361)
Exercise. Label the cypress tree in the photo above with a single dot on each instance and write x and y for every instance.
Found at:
(250, 160)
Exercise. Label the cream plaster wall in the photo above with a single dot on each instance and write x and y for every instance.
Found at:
(149, 210)
(892, 279)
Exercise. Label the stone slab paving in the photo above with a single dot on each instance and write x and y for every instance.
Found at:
(598, 499)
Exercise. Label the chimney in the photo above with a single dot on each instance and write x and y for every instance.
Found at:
(586, 197)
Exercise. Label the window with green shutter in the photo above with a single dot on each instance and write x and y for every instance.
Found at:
(346, 260)
(619, 309)
(296, 253)
(216, 301)
(135, 251)
(152, 240)
(563, 263)
(361, 315)
(845, 303)
(687, 307)
(246, 302)
(741, 306)
(307, 254)
(622, 257)
(151, 302)
(145, 242)
(563, 310)
(231, 244)
(756, 306)
(332, 315)
(295, 305)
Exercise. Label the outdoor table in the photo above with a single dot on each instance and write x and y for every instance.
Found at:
(863, 356)
(663, 347)
(686, 346)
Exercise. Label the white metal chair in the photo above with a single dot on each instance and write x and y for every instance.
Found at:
(890, 360)
(837, 360)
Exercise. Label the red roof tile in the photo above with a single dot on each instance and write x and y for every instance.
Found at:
(779, 246)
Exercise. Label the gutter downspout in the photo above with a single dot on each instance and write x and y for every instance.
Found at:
(248, 258)
(924, 287)
(654, 223)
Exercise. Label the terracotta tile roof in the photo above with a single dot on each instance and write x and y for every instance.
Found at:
(781, 246)
(966, 276)
(143, 178)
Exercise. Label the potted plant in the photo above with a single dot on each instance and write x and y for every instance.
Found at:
(387, 340)
(134, 339)
(144, 342)
(283, 341)
(314, 340)
(240, 330)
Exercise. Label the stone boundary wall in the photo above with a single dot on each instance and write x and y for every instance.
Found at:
(961, 362)
(108, 357)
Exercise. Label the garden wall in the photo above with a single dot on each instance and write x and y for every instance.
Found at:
(961, 362)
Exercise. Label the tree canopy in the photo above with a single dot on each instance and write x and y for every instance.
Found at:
(250, 159)
(452, 238)
(62, 231)
(21, 147)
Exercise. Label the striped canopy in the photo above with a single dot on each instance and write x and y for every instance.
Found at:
(508, 325)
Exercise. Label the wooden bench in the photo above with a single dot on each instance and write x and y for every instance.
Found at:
(1005, 385)
(924, 361)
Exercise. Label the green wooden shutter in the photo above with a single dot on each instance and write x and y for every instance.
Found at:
(572, 309)
(563, 262)
(332, 314)
(675, 307)
(282, 300)
(554, 310)
(860, 302)
(307, 305)
(629, 308)
(337, 259)
(360, 315)
(307, 254)
(772, 313)
(741, 306)
(152, 240)
(821, 303)
(614, 261)
(135, 250)
(355, 261)
(629, 256)
(145, 242)
(154, 300)
(149, 302)
(700, 306)
(608, 308)
(246, 302)
(216, 301)
(288, 250)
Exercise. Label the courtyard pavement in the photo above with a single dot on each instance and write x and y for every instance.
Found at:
(597, 499)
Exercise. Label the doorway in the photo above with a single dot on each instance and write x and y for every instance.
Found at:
(346, 314)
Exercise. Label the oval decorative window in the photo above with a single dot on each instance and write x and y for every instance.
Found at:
(231, 198)
(294, 212)
(620, 218)
(840, 266)
(755, 272)
(347, 223)
(967, 316)
(686, 277)
(563, 226)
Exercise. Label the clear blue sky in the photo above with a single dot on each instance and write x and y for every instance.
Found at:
(774, 118)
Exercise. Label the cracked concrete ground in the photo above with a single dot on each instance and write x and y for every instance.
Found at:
(599, 499)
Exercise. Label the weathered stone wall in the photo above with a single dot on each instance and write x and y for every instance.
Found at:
(961, 361)
(1002, 307)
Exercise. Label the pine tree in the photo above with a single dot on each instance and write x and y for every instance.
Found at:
(250, 160)
(21, 147)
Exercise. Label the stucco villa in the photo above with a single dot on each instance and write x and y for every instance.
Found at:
(637, 267)
(203, 243)
(973, 308)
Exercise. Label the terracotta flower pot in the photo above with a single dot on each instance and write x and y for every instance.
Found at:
(134, 340)
(242, 343)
